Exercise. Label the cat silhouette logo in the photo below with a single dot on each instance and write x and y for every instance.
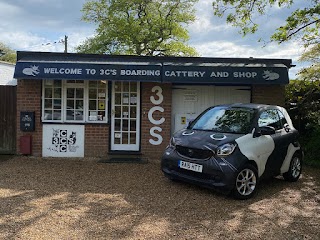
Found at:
(31, 71)
(270, 76)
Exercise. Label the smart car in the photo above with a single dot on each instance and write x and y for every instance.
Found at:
(231, 147)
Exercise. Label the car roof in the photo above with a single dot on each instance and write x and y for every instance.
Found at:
(248, 105)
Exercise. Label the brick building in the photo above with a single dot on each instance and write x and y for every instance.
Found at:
(86, 105)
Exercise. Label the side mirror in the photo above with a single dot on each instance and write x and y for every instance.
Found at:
(265, 130)
(189, 124)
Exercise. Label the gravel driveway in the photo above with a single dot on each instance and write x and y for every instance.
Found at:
(72, 199)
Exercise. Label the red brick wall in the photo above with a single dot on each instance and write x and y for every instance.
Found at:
(268, 94)
(154, 152)
(29, 99)
(96, 141)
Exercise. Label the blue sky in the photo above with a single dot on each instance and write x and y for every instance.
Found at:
(38, 25)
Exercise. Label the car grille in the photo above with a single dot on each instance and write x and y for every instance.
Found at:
(193, 152)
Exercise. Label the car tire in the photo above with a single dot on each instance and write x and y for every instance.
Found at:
(295, 169)
(246, 182)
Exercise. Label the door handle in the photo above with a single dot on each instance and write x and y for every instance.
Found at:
(113, 112)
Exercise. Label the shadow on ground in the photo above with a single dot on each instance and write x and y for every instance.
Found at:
(70, 199)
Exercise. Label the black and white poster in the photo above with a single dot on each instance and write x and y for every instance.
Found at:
(63, 141)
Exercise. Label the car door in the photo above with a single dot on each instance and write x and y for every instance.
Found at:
(282, 138)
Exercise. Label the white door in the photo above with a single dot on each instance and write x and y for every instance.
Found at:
(125, 116)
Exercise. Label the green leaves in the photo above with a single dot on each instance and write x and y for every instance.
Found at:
(7, 54)
(139, 27)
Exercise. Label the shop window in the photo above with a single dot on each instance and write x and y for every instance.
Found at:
(74, 101)
(52, 100)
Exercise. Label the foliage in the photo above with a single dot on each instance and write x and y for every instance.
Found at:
(139, 27)
(303, 24)
(310, 144)
(312, 55)
(8, 54)
(303, 104)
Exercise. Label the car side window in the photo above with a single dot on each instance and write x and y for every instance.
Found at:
(270, 118)
(282, 118)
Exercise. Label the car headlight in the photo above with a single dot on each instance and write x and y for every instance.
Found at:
(225, 149)
(172, 142)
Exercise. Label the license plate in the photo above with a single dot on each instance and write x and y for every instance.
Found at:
(190, 166)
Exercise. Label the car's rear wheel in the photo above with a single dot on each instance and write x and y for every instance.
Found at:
(246, 182)
(295, 169)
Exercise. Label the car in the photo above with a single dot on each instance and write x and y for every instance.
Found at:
(232, 147)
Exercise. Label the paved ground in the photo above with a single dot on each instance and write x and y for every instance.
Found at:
(70, 199)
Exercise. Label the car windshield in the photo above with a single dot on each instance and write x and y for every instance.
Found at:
(225, 120)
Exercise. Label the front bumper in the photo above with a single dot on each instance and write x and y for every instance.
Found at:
(217, 173)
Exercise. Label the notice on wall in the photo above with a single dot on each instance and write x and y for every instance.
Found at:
(63, 140)
(190, 96)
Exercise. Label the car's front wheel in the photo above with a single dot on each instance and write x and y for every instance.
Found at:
(295, 169)
(246, 182)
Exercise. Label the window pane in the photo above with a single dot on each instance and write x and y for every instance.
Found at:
(70, 115)
(70, 104)
(133, 87)
(133, 112)
(117, 125)
(70, 93)
(132, 138)
(47, 115)
(117, 86)
(48, 103)
(57, 115)
(92, 105)
(57, 104)
(57, 83)
(125, 86)
(79, 93)
(125, 126)
(118, 98)
(132, 125)
(92, 84)
(48, 93)
(57, 93)
(79, 104)
(125, 139)
(92, 93)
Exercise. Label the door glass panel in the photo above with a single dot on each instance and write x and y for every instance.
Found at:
(117, 125)
(117, 113)
(125, 139)
(133, 112)
(125, 126)
(125, 86)
(132, 138)
(133, 125)
(125, 112)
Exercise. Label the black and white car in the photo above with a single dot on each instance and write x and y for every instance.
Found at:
(231, 147)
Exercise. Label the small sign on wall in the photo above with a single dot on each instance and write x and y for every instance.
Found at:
(63, 141)
(190, 96)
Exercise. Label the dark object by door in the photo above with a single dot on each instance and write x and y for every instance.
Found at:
(8, 109)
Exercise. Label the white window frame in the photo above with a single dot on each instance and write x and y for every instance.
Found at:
(85, 86)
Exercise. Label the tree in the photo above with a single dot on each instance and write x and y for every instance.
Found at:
(7, 54)
(312, 55)
(139, 27)
(303, 24)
